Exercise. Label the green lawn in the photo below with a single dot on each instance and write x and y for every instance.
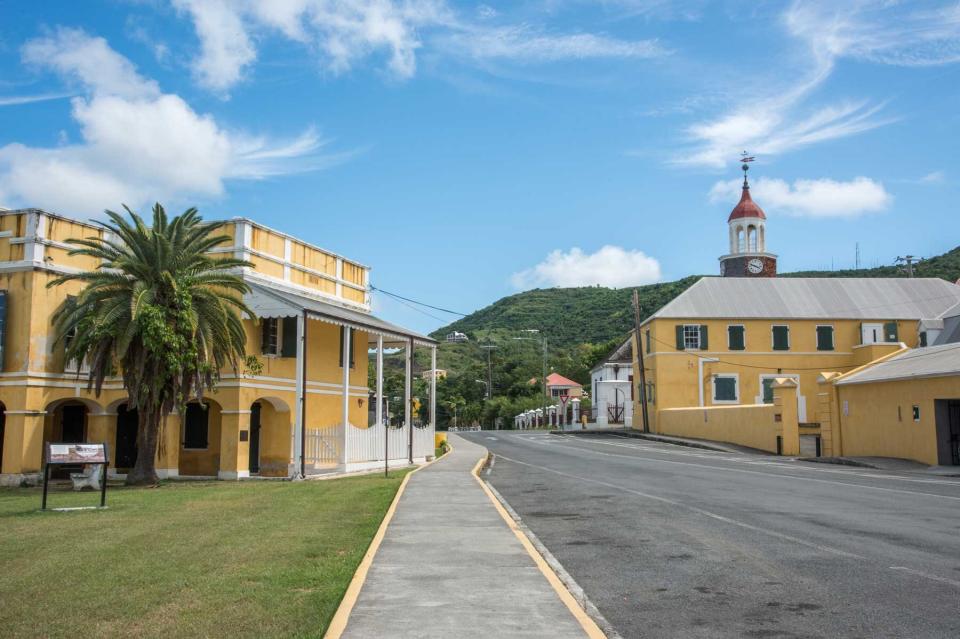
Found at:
(211, 559)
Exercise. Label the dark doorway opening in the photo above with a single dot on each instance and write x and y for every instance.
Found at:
(3, 431)
(72, 430)
(947, 413)
(255, 438)
(127, 426)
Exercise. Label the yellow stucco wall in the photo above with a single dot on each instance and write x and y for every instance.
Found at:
(751, 425)
(878, 420)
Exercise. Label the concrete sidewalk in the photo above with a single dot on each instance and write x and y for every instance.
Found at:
(449, 566)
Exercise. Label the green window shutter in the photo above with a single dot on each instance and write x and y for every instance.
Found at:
(735, 338)
(724, 389)
(824, 338)
(768, 390)
(679, 337)
(648, 340)
(703, 337)
(923, 338)
(781, 338)
(353, 345)
(890, 333)
(289, 335)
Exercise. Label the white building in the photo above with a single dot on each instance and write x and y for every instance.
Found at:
(611, 384)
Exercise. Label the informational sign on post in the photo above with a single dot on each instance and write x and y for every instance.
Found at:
(75, 454)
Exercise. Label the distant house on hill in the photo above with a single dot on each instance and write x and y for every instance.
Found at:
(457, 336)
(559, 386)
(611, 382)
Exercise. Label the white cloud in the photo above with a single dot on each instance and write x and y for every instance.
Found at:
(609, 266)
(934, 177)
(528, 44)
(778, 116)
(13, 100)
(344, 33)
(225, 46)
(811, 198)
(138, 143)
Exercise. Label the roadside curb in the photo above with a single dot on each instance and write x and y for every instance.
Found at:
(338, 623)
(837, 461)
(570, 593)
(646, 436)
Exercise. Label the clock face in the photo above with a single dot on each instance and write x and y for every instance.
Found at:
(755, 266)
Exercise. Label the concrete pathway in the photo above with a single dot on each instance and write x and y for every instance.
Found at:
(449, 566)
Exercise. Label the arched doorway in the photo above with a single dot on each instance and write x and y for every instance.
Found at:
(255, 438)
(271, 434)
(200, 439)
(66, 423)
(126, 440)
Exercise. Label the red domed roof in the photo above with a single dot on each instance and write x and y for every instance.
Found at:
(746, 207)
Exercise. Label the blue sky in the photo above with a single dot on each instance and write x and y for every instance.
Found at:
(469, 150)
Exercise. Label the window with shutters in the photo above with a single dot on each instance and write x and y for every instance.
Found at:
(353, 336)
(648, 340)
(766, 385)
(691, 337)
(736, 337)
(270, 336)
(923, 338)
(825, 338)
(781, 338)
(725, 389)
(891, 332)
(195, 426)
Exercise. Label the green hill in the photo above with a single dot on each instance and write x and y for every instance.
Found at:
(571, 316)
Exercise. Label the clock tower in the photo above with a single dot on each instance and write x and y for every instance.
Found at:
(748, 255)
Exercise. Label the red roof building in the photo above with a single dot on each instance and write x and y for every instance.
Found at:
(560, 386)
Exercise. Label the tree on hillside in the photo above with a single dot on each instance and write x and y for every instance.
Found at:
(161, 310)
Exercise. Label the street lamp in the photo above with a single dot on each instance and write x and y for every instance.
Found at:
(486, 387)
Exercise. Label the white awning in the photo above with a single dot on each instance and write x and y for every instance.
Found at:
(273, 302)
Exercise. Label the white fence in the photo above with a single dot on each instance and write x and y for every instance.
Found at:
(331, 448)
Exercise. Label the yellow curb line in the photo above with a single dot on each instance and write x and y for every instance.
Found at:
(339, 622)
(589, 625)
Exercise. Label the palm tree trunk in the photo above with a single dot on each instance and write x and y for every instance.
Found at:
(144, 472)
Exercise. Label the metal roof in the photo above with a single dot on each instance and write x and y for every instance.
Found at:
(814, 298)
(931, 361)
(274, 302)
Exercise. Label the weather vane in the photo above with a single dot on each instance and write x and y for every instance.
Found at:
(745, 158)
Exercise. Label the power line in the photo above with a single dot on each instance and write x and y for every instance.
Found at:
(401, 297)
(419, 310)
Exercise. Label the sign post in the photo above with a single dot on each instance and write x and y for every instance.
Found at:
(63, 454)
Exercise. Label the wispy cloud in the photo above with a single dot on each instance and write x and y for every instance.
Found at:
(138, 143)
(934, 177)
(781, 117)
(13, 100)
(341, 34)
(609, 266)
(810, 198)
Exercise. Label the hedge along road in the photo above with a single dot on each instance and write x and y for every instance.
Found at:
(679, 542)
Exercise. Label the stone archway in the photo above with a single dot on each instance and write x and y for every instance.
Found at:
(67, 420)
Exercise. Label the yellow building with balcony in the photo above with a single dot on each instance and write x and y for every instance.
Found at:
(305, 408)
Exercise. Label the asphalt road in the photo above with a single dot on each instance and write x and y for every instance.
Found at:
(677, 542)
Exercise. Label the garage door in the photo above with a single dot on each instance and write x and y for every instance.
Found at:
(809, 445)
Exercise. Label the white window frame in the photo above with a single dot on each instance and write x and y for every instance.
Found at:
(773, 340)
(729, 326)
(816, 338)
(794, 376)
(686, 336)
(736, 386)
(871, 326)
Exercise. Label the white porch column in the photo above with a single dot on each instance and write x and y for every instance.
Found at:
(379, 380)
(296, 467)
(347, 349)
(576, 411)
(407, 397)
(433, 389)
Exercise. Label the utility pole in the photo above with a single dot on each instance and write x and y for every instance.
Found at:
(908, 261)
(643, 372)
(489, 348)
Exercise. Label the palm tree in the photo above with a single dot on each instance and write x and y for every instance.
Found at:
(161, 310)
